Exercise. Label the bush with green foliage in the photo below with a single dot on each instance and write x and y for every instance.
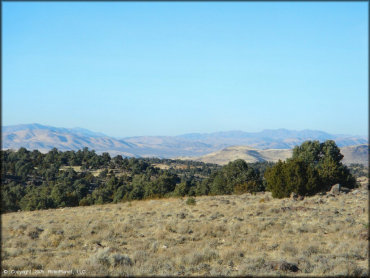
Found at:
(314, 167)
(235, 177)
(191, 201)
(359, 170)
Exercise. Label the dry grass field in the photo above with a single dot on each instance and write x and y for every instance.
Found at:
(219, 235)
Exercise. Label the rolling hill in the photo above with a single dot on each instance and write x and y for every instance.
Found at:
(246, 153)
(352, 154)
(356, 154)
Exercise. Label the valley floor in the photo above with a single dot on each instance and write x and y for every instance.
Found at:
(219, 235)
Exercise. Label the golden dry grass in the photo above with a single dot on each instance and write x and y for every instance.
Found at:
(219, 235)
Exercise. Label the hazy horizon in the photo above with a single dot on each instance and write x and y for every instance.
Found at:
(217, 131)
(170, 68)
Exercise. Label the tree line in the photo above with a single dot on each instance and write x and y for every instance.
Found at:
(32, 180)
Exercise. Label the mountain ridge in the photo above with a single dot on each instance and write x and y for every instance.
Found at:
(44, 138)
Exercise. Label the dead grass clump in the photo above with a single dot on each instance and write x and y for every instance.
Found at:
(344, 267)
(236, 232)
(214, 230)
(289, 249)
(197, 257)
(232, 257)
(54, 241)
(120, 259)
(171, 227)
(312, 249)
(253, 265)
(34, 233)
(140, 256)
(305, 265)
(184, 228)
(303, 229)
(101, 257)
(358, 251)
(219, 271)
(253, 239)
(20, 244)
(105, 257)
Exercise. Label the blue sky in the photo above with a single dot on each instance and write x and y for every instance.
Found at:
(140, 68)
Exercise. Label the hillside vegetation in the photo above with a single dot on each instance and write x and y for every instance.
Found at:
(322, 235)
(32, 180)
(151, 216)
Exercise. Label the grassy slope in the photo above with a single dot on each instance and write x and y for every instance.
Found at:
(220, 235)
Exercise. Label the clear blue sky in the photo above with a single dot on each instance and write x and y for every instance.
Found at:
(128, 69)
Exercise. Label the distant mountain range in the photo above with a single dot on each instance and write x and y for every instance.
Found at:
(44, 138)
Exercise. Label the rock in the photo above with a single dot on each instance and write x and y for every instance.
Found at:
(364, 236)
(293, 196)
(285, 209)
(335, 189)
(215, 216)
(239, 218)
(288, 267)
(283, 265)
(344, 189)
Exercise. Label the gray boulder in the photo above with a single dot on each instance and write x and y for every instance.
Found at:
(344, 189)
(335, 189)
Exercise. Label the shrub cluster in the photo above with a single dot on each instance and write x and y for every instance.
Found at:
(235, 177)
(314, 167)
(32, 180)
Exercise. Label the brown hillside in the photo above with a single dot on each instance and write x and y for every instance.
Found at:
(356, 154)
(352, 154)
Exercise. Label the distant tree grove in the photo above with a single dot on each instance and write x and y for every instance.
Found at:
(32, 180)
